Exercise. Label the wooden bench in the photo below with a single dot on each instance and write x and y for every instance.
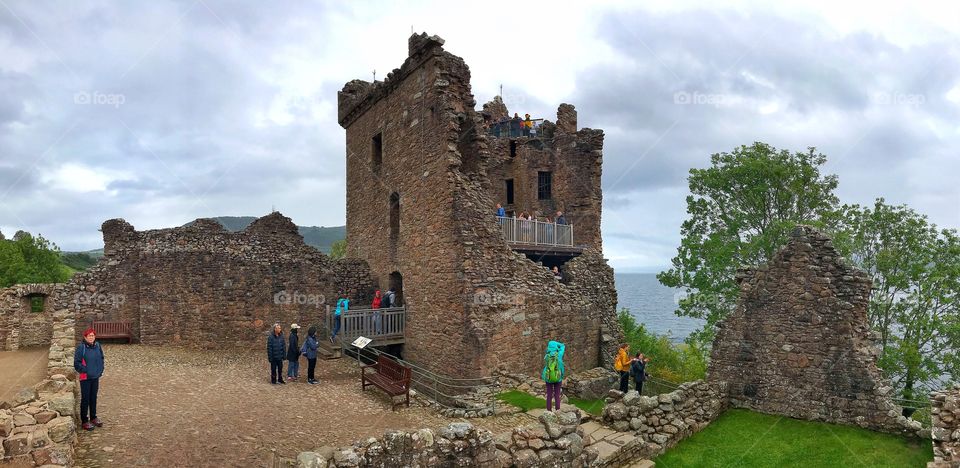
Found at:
(113, 330)
(390, 376)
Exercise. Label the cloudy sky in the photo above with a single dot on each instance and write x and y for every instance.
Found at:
(161, 112)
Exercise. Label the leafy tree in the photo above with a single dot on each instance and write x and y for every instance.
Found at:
(915, 303)
(338, 249)
(29, 259)
(741, 210)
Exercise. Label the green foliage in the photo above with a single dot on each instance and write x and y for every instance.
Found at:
(338, 249)
(522, 400)
(671, 362)
(78, 261)
(28, 259)
(745, 438)
(741, 210)
(915, 303)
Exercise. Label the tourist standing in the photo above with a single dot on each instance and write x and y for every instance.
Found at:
(561, 219)
(293, 353)
(638, 370)
(390, 298)
(556, 273)
(343, 305)
(500, 211)
(276, 351)
(377, 314)
(527, 125)
(553, 373)
(88, 362)
(622, 366)
(309, 349)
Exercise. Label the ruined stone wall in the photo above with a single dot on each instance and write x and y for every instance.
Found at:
(556, 440)
(945, 416)
(20, 327)
(799, 343)
(472, 303)
(201, 285)
(664, 420)
(575, 161)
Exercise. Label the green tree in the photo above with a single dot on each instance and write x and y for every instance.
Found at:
(672, 362)
(338, 249)
(914, 305)
(29, 259)
(741, 210)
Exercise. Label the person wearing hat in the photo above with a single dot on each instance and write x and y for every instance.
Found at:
(276, 351)
(88, 362)
(293, 353)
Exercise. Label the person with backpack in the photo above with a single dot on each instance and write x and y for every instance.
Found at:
(343, 305)
(622, 366)
(309, 349)
(276, 351)
(293, 355)
(390, 298)
(553, 373)
(88, 362)
(638, 370)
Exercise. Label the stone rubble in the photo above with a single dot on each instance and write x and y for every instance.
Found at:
(945, 416)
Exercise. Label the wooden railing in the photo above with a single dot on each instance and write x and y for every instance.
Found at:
(377, 324)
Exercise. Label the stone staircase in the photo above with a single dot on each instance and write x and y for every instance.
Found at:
(329, 350)
(617, 449)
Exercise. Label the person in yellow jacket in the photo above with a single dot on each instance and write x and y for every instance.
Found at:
(622, 366)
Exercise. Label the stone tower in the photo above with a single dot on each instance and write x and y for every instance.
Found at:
(423, 177)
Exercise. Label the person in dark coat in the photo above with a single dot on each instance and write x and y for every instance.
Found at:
(293, 353)
(276, 351)
(310, 346)
(638, 370)
(88, 362)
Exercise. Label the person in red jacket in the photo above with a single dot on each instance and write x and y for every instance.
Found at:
(377, 315)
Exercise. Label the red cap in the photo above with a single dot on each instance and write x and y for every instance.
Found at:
(89, 331)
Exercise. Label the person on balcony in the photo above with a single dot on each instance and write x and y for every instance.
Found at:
(377, 315)
(515, 124)
(548, 230)
(527, 125)
(560, 218)
(501, 213)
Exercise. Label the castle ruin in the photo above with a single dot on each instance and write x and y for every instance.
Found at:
(423, 178)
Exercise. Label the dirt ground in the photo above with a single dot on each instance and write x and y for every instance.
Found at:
(21, 369)
(163, 406)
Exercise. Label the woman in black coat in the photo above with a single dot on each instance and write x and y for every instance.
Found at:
(293, 353)
(276, 351)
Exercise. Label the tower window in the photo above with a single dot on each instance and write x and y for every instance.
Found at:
(513, 148)
(376, 153)
(544, 185)
(509, 183)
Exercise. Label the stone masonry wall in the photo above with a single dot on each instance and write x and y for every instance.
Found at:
(20, 327)
(945, 416)
(557, 440)
(497, 308)
(201, 285)
(664, 420)
(38, 427)
(799, 343)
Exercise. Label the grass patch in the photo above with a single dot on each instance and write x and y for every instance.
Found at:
(745, 438)
(522, 400)
(594, 407)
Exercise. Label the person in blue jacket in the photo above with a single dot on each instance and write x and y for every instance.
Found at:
(88, 362)
(310, 346)
(553, 373)
(276, 351)
(343, 305)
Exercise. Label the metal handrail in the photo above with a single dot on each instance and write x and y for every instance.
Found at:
(535, 232)
(387, 323)
(511, 128)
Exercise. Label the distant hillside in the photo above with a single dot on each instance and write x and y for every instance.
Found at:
(319, 237)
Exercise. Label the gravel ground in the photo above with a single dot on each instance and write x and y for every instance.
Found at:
(20, 369)
(166, 406)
